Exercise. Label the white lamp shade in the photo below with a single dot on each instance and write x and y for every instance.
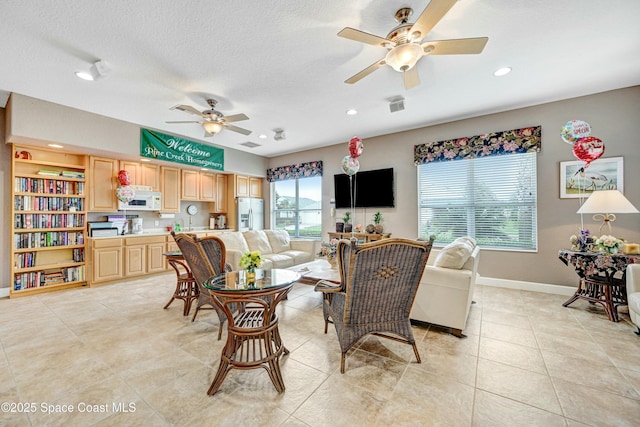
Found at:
(607, 201)
(212, 127)
(403, 57)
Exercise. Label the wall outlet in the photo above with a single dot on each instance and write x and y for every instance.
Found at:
(156, 223)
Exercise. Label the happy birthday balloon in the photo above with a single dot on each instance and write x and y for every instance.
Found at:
(350, 166)
(588, 149)
(125, 193)
(123, 177)
(355, 147)
(574, 130)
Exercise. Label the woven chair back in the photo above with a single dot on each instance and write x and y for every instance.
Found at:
(205, 256)
(381, 278)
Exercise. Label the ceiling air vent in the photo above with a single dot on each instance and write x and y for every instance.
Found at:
(396, 104)
(250, 144)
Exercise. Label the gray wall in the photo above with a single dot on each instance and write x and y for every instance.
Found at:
(613, 118)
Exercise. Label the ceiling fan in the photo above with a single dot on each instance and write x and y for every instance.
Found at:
(214, 121)
(404, 42)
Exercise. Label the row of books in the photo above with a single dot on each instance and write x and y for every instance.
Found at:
(65, 173)
(47, 239)
(28, 259)
(48, 186)
(37, 279)
(48, 220)
(38, 203)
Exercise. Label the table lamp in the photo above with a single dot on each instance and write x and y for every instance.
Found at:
(605, 204)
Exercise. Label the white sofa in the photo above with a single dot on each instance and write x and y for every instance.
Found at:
(633, 294)
(276, 247)
(445, 293)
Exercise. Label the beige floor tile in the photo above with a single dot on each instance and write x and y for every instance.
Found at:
(596, 407)
(491, 410)
(512, 354)
(633, 377)
(588, 373)
(585, 349)
(518, 384)
(460, 367)
(510, 319)
(452, 344)
(507, 333)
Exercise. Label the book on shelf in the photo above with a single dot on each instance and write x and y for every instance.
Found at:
(48, 172)
(72, 174)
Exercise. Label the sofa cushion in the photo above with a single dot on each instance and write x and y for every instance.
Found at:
(454, 255)
(258, 241)
(299, 257)
(279, 240)
(234, 240)
(279, 260)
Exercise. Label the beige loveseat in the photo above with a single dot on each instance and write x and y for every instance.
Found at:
(446, 289)
(276, 247)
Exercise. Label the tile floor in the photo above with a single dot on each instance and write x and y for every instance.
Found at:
(527, 361)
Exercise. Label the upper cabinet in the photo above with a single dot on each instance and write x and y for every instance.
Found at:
(221, 193)
(170, 187)
(102, 184)
(146, 174)
(248, 186)
(208, 187)
(190, 184)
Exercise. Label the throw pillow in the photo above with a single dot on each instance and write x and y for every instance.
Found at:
(454, 255)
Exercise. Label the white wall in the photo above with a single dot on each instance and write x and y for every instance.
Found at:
(613, 117)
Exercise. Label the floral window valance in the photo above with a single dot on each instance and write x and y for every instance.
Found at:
(300, 170)
(523, 140)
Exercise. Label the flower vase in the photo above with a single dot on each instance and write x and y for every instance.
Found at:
(333, 262)
(251, 277)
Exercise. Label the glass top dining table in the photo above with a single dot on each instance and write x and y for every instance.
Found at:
(235, 281)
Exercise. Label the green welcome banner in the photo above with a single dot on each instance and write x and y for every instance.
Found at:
(160, 146)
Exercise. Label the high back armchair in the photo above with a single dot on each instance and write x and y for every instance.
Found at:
(205, 258)
(378, 285)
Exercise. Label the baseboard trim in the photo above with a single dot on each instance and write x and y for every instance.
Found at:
(526, 286)
(4, 292)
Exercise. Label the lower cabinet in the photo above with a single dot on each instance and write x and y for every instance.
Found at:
(143, 255)
(105, 261)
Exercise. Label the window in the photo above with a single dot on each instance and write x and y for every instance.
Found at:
(492, 199)
(297, 206)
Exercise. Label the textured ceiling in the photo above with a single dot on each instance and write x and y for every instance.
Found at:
(281, 63)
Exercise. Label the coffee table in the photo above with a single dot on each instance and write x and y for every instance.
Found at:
(313, 271)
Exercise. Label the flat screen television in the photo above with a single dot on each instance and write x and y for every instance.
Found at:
(372, 189)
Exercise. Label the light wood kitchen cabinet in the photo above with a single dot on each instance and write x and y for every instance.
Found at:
(134, 259)
(190, 185)
(155, 259)
(221, 193)
(255, 187)
(207, 187)
(146, 174)
(106, 260)
(143, 255)
(171, 245)
(170, 187)
(242, 186)
(102, 184)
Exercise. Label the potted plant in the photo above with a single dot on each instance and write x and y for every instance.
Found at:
(377, 220)
(347, 221)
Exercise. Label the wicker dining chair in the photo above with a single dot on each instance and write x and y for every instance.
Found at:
(379, 281)
(205, 258)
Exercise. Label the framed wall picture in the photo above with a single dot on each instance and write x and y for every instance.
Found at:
(603, 174)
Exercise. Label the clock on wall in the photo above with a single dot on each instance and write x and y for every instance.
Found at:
(192, 209)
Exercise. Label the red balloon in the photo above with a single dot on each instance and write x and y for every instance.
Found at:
(588, 149)
(123, 178)
(355, 147)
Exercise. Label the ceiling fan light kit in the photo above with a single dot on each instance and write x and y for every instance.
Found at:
(212, 127)
(213, 121)
(404, 42)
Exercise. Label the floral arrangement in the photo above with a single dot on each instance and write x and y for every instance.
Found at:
(329, 249)
(582, 243)
(608, 243)
(251, 260)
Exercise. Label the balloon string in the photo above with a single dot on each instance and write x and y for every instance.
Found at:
(352, 193)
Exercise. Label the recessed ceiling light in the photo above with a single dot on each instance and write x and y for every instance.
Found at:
(502, 71)
(351, 112)
(84, 76)
(262, 136)
(55, 145)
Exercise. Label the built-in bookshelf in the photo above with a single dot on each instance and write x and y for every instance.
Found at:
(49, 217)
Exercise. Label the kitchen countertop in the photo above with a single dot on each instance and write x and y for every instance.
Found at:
(164, 232)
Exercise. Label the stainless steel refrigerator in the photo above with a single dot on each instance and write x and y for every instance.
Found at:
(250, 213)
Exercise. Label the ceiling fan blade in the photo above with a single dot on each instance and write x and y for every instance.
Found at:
(184, 121)
(187, 109)
(237, 129)
(235, 118)
(411, 78)
(431, 15)
(362, 37)
(364, 73)
(455, 46)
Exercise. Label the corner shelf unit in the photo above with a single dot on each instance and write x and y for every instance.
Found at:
(49, 214)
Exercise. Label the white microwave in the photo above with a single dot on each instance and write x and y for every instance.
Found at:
(142, 201)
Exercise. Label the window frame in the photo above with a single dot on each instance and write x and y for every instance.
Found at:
(296, 209)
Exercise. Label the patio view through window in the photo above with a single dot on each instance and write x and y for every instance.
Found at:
(492, 199)
(297, 206)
